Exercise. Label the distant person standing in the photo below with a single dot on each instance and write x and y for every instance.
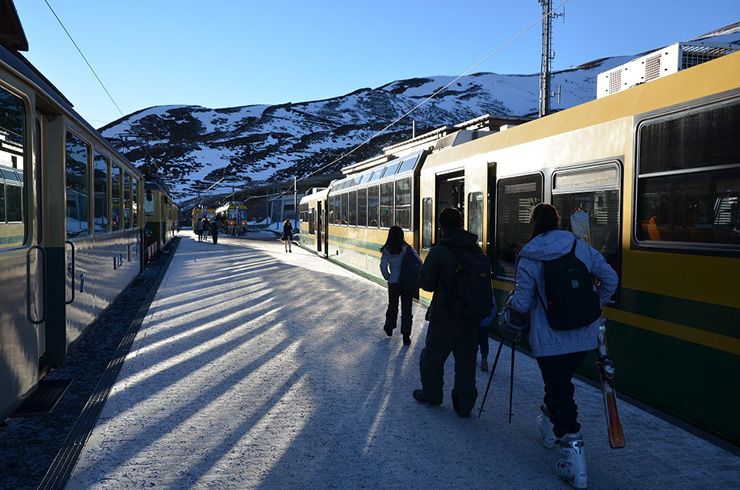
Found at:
(448, 333)
(199, 229)
(215, 225)
(206, 228)
(287, 237)
(559, 352)
(391, 262)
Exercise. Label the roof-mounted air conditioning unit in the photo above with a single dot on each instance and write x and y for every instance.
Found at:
(666, 61)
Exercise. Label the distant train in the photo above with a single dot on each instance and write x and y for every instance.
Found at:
(657, 169)
(70, 222)
(233, 218)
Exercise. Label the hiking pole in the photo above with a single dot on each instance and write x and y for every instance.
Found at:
(511, 381)
(490, 377)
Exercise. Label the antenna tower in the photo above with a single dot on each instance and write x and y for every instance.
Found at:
(547, 56)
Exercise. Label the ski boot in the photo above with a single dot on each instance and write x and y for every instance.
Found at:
(546, 428)
(571, 466)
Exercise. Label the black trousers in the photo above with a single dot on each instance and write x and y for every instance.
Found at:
(557, 373)
(391, 314)
(459, 338)
(483, 340)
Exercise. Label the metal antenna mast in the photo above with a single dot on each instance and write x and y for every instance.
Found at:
(547, 56)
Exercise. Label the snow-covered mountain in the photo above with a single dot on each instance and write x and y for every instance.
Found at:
(193, 146)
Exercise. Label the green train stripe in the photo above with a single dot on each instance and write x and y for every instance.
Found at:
(11, 240)
(360, 245)
(711, 318)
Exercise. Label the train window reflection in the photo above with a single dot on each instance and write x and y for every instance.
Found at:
(403, 203)
(373, 205)
(77, 153)
(100, 180)
(386, 204)
(127, 200)
(516, 198)
(426, 220)
(116, 197)
(475, 215)
(352, 208)
(12, 118)
(362, 207)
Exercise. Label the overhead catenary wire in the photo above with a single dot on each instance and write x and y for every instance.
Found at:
(439, 91)
(83, 56)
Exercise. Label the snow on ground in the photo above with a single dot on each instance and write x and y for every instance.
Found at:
(257, 368)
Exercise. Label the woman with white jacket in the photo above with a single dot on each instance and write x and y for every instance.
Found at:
(391, 262)
(558, 352)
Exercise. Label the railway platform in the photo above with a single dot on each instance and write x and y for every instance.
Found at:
(260, 369)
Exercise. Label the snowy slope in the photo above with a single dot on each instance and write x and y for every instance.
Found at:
(193, 146)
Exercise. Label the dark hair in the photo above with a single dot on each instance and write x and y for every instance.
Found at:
(450, 219)
(395, 240)
(544, 218)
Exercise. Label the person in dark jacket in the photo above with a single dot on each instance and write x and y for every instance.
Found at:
(215, 226)
(287, 237)
(558, 352)
(447, 333)
(391, 263)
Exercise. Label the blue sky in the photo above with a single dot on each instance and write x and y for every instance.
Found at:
(227, 53)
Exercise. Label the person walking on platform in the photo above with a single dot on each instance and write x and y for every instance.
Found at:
(559, 352)
(446, 332)
(215, 226)
(206, 228)
(199, 229)
(391, 263)
(287, 237)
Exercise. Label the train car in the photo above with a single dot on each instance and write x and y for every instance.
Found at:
(314, 220)
(161, 218)
(69, 227)
(233, 218)
(657, 169)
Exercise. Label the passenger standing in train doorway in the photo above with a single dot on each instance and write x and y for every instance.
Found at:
(558, 352)
(446, 332)
(215, 225)
(391, 263)
(287, 236)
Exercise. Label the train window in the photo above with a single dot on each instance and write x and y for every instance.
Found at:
(116, 197)
(12, 124)
(688, 185)
(100, 180)
(373, 205)
(407, 164)
(594, 193)
(352, 213)
(362, 207)
(475, 215)
(386, 204)
(426, 220)
(127, 200)
(516, 197)
(344, 210)
(135, 202)
(13, 202)
(77, 153)
(403, 203)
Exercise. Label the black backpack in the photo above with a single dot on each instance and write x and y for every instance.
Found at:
(410, 268)
(470, 295)
(571, 300)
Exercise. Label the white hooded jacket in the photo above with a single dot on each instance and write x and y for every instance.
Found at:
(530, 280)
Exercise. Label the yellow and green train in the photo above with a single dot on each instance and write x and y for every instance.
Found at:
(657, 168)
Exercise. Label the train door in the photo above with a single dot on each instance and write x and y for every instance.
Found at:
(37, 310)
(325, 228)
(319, 231)
(450, 193)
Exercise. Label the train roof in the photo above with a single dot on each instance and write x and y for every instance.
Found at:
(11, 30)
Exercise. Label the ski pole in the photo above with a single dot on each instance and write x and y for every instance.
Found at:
(490, 377)
(511, 381)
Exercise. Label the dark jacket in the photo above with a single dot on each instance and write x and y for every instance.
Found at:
(287, 231)
(438, 269)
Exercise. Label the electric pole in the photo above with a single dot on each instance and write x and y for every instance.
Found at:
(547, 56)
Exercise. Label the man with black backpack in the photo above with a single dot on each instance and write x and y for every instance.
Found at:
(459, 274)
(553, 284)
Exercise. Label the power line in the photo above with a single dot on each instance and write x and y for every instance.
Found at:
(83, 56)
(417, 106)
